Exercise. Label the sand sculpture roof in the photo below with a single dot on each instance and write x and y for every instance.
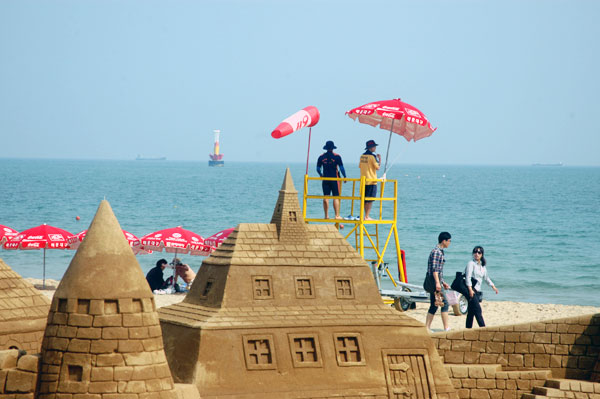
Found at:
(19, 299)
(286, 242)
(104, 265)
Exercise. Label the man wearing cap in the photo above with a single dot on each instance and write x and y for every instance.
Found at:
(369, 165)
(330, 162)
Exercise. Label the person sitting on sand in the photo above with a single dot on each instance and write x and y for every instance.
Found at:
(369, 165)
(184, 271)
(330, 162)
(155, 275)
(476, 269)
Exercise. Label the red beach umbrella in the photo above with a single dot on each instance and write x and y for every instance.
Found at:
(175, 240)
(217, 239)
(6, 233)
(397, 117)
(133, 241)
(40, 237)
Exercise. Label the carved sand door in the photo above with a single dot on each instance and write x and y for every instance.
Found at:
(408, 374)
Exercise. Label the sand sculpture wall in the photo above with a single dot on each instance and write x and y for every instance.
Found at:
(18, 374)
(23, 312)
(512, 360)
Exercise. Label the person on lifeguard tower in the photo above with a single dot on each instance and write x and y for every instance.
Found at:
(330, 162)
(369, 165)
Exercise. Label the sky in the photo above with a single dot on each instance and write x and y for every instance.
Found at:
(505, 82)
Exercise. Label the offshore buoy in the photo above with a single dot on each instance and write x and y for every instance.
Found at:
(77, 218)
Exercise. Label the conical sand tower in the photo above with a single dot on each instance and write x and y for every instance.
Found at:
(291, 310)
(103, 338)
(23, 312)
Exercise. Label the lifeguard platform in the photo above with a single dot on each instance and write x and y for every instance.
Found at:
(373, 239)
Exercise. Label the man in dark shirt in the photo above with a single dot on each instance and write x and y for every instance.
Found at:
(330, 162)
(155, 275)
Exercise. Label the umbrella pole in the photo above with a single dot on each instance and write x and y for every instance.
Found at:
(308, 151)
(44, 275)
(388, 148)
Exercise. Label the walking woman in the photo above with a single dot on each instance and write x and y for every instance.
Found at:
(477, 270)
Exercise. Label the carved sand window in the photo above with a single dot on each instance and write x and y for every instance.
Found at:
(259, 352)
(348, 347)
(83, 306)
(208, 286)
(344, 288)
(262, 287)
(292, 216)
(304, 287)
(305, 350)
(75, 373)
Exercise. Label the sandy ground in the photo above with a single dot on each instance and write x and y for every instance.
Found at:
(495, 313)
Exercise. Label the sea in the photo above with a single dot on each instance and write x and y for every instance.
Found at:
(539, 226)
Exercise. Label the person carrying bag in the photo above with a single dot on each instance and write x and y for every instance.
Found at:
(475, 273)
(435, 271)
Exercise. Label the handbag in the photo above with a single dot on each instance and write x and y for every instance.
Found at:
(459, 285)
(429, 283)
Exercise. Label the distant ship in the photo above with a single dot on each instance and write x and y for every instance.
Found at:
(143, 158)
(547, 164)
(216, 159)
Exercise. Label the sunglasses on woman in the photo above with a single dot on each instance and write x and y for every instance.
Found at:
(478, 252)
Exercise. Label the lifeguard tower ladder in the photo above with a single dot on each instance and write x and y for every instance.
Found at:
(365, 239)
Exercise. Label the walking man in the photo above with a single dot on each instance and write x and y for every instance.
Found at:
(435, 267)
(330, 162)
(369, 165)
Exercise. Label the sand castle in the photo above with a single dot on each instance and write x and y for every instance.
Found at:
(103, 336)
(291, 310)
(280, 310)
(23, 312)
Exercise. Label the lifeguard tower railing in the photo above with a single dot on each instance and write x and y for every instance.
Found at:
(366, 232)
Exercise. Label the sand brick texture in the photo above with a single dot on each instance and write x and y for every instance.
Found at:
(525, 360)
(104, 347)
(23, 312)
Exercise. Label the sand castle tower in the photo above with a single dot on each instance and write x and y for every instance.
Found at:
(103, 337)
(23, 312)
(291, 310)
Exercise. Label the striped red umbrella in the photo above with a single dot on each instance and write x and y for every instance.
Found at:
(397, 117)
(40, 237)
(175, 240)
(133, 241)
(6, 233)
(217, 239)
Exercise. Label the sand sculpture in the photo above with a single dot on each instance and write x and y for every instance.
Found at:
(23, 312)
(288, 309)
(103, 337)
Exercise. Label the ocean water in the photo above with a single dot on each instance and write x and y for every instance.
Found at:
(540, 226)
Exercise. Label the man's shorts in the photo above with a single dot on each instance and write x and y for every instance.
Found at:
(330, 187)
(371, 191)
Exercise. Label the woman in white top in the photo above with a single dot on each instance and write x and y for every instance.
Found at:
(476, 269)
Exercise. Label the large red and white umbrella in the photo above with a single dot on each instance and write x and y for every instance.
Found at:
(6, 233)
(395, 116)
(217, 239)
(175, 240)
(40, 237)
(133, 241)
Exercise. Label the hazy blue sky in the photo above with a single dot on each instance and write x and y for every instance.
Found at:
(505, 82)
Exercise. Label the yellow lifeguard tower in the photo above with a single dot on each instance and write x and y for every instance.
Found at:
(373, 243)
(372, 238)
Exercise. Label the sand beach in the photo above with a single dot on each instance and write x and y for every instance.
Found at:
(495, 313)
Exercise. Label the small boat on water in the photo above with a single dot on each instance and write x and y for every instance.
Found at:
(216, 159)
(143, 158)
(547, 164)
